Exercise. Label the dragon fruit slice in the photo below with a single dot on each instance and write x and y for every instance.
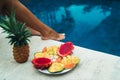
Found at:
(41, 63)
(65, 49)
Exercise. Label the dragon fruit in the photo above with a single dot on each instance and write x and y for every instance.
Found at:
(65, 49)
(41, 63)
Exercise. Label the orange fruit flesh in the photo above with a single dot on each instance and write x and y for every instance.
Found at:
(69, 66)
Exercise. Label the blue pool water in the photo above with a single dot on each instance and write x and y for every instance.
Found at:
(93, 24)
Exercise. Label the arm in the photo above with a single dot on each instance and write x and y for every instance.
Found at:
(24, 15)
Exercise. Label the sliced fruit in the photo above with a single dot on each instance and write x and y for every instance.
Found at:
(41, 63)
(65, 49)
(53, 58)
(59, 59)
(69, 66)
(75, 59)
(52, 50)
(41, 54)
(44, 49)
(70, 61)
(56, 67)
(38, 54)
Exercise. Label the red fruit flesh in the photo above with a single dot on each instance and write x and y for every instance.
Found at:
(41, 63)
(66, 49)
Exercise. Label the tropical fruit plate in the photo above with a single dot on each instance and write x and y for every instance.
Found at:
(56, 59)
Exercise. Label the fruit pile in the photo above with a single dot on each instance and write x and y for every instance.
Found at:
(55, 58)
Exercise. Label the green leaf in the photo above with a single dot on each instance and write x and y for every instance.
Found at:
(17, 32)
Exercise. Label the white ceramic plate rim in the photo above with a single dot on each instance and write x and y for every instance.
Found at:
(47, 72)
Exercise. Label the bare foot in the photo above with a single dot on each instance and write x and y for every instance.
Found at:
(58, 37)
(51, 34)
(48, 35)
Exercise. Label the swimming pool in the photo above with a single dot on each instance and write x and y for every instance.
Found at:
(91, 24)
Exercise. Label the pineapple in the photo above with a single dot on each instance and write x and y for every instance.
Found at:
(19, 35)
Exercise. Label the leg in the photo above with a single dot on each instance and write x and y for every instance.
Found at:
(34, 32)
(24, 15)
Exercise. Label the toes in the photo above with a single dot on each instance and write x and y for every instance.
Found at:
(59, 37)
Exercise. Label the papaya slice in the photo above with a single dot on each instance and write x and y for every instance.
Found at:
(44, 49)
(59, 59)
(69, 66)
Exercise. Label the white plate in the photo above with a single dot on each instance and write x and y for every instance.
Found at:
(47, 72)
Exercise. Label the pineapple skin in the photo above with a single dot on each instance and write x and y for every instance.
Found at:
(21, 53)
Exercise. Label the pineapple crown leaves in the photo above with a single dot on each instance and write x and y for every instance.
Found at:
(17, 32)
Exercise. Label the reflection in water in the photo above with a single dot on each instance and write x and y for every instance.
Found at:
(66, 21)
(109, 31)
(86, 21)
(90, 24)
